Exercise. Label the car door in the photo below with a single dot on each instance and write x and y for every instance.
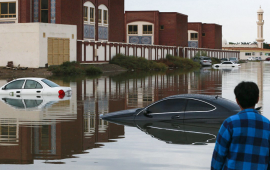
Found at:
(13, 88)
(199, 111)
(165, 110)
(32, 87)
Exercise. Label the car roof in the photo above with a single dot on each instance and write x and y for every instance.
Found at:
(212, 99)
(32, 78)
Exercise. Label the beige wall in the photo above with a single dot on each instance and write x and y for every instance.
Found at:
(26, 45)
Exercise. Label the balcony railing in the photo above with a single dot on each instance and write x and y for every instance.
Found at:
(7, 15)
(133, 32)
(147, 32)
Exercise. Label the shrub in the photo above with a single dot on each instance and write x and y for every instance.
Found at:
(90, 70)
(177, 62)
(215, 60)
(74, 68)
(136, 63)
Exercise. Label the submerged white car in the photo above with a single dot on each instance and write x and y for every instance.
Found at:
(226, 64)
(31, 102)
(34, 86)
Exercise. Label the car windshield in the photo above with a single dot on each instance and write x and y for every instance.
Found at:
(232, 58)
(50, 83)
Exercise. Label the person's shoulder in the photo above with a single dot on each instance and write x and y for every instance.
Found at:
(233, 118)
(264, 119)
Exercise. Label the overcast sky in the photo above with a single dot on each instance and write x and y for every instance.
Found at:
(237, 17)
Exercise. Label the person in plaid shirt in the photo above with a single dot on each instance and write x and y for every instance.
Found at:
(243, 139)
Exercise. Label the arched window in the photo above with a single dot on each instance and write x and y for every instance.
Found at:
(89, 12)
(103, 15)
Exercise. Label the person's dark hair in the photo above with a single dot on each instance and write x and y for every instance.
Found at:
(247, 94)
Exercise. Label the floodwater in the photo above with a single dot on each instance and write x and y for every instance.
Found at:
(48, 133)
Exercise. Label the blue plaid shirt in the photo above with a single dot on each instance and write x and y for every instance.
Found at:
(243, 142)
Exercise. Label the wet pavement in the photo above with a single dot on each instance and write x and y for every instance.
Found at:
(67, 134)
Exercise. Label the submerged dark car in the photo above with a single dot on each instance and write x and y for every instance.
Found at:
(181, 133)
(186, 108)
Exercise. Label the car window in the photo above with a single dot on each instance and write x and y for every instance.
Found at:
(31, 84)
(32, 103)
(170, 105)
(15, 84)
(226, 63)
(196, 105)
(14, 102)
(50, 83)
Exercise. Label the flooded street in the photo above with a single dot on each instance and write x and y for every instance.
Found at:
(49, 133)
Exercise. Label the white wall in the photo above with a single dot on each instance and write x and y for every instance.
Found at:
(240, 45)
(20, 44)
(256, 54)
(24, 43)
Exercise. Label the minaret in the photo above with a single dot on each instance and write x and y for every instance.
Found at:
(260, 23)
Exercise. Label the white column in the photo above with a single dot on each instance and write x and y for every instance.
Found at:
(260, 24)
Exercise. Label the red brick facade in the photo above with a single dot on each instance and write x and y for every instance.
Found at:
(212, 34)
(71, 12)
(175, 26)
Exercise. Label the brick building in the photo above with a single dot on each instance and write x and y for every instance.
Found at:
(95, 20)
(106, 16)
(202, 35)
(156, 28)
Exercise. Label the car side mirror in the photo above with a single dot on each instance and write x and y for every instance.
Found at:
(146, 113)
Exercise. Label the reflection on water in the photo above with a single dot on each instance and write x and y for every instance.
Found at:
(43, 129)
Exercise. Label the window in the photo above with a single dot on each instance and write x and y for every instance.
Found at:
(248, 54)
(44, 5)
(162, 27)
(147, 29)
(267, 54)
(194, 36)
(8, 10)
(195, 105)
(45, 138)
(85, 13)
(133, 29)
(105, 17)
(50, 83)
(31, 84)
(171, 105)
(32, 103)
(92, 14)
(8, 133)
(14, 102)
(203, 34)
(228, 62)
(15, 85)
(99, 15)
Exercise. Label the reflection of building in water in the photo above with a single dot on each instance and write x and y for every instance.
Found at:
(260, 82)
(56, 137)
(72, 127)
(8, 133)
(115, 94)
